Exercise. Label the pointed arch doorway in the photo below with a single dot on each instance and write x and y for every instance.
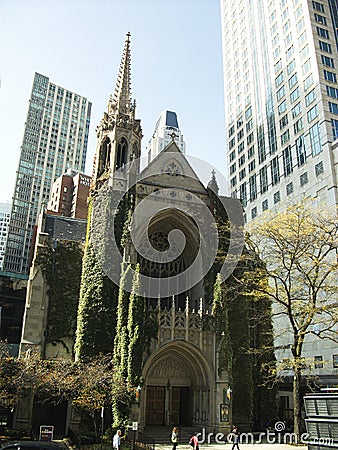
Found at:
(177, 385)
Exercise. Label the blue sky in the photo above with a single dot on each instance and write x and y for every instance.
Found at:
(176, 65)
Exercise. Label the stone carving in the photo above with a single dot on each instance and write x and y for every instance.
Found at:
(169, 368)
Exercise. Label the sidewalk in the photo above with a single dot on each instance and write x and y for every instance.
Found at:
(228, 446)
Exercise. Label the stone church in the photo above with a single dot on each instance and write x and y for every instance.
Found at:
(157, 226)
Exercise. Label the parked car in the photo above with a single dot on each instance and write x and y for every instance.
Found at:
(33, 445)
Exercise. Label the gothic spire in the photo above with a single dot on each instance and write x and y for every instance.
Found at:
(122, 95)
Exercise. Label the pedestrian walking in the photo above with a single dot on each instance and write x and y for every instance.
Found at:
(174, 437)
(117, 440)
(235, 438)
(194, 441)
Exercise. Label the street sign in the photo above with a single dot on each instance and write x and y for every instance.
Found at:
(134, 426)
(46, 432)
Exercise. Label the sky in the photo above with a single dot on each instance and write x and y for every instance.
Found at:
(176, 64)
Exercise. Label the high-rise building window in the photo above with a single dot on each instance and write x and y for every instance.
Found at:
(289, 188)
(296, 110)
(265, 205)
(300, 151)
(282, 107)
(303, 179)
(252, 165)
(331, 91)
(263, 179)
(291, 66)
(279, 79)
(333, 107)
(298, 126)
(315, 140)
(327, 61)
(275, 175)
(261, 144)
(289, 52)
(292, 80)
(253, 187)
(310, 97)
(251, 152)
(280, 93)
(242, 174)
(312, 113)
(308, 82)
(294, 95)
(306, 66)
(276, 197)
(330, 76)
(285, 137)
(319, 168)
(320, 19)
(318, 6)
(287, 160)
(243, 193)
(325, 47)
(334, 124)
(253, 215)
(322, 32)
(283, 122)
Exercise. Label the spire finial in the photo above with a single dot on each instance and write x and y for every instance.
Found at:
(213, 182)
(122, 94)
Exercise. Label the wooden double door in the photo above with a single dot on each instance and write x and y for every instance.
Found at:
(179, 405)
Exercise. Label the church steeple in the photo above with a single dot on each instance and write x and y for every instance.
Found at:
(122, 95)
(119, 134)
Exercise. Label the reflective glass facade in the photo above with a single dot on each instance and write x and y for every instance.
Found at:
(281, 100)
(55, 139)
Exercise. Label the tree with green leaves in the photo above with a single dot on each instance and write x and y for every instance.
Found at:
(299, 251)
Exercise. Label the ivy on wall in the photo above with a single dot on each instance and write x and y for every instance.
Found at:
(223, 343)
(61, 266)
(96, 313)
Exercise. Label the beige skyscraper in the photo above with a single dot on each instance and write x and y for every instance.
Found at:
(55, 139)
(281, 101)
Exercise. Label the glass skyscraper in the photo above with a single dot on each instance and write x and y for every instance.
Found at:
(55, 139)
(281, 101)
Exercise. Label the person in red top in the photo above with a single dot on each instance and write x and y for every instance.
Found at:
(194, 441)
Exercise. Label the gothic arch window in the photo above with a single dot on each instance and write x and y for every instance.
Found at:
(104, 156)
(173, 168)
(122, 153)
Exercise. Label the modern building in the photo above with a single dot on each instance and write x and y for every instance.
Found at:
(166, 130)
(281, 105)
(55, 139)
(281, 101)
(69, 195)
(5, 212)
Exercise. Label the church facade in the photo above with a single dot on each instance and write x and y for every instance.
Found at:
(148, 290)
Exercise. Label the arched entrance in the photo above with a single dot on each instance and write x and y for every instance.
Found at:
(178, 386)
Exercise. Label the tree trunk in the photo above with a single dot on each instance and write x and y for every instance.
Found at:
(296, 402)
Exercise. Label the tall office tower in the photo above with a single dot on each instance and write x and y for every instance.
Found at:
(55, 138)
(281, 101)
(166, 125)
(5, 212)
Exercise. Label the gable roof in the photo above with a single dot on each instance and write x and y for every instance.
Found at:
(168, 164)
